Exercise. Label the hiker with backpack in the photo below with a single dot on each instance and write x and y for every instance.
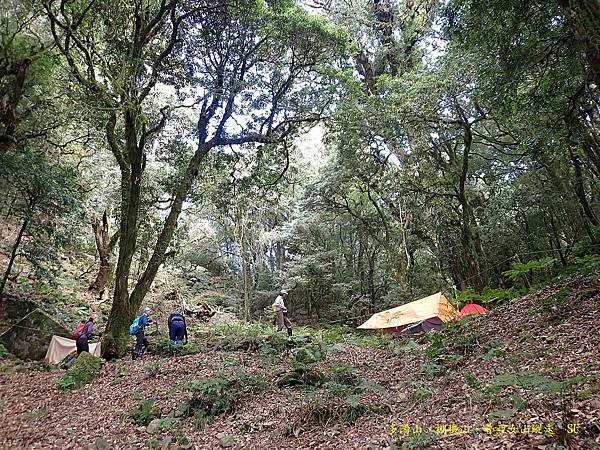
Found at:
(177, 329)
(83, 333)
(137, 329)
(281, 318)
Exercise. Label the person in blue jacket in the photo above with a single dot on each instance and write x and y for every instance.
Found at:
(140, 335)
(177, 329)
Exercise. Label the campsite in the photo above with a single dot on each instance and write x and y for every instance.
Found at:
(300, 224)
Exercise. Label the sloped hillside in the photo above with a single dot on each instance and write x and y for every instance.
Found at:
(525, 376)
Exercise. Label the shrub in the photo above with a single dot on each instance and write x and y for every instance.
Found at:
(536, 382)
(301, 376)
(144, 413)
(450, 343)
(219, 395)
(120, 374)
(310, 354)
(343, 373)
(85, 369)
(152, 369)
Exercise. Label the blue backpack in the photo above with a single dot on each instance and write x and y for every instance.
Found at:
(135, 326)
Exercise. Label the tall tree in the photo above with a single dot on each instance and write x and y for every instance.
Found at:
(267, 66)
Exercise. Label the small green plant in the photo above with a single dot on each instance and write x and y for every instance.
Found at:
(144, 413)
(84, 370)
(323, 410)
(431, 369)
(521, 270)
(494, 349)
(421, 394)
(3, 352)
(219, 395)
(589, 392)
(182, 439)
(302, 376)
(450, 344)
(408, 348)
(120, 374)
(343, 373)
(472, 381)
(310, 354)
(414, 442)
(535, 382)
(152, 369)
(36, 415)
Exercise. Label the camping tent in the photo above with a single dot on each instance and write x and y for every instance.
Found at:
(434, 323)
(60, 347)
(472, 308)
(429, 312)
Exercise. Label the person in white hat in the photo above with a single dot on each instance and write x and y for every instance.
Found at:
(280, 311)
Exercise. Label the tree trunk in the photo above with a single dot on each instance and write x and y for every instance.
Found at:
(13, 254)
(580, 190)
(471, 242)
(584, 16)
(116, 336)
(246, 280)
(104, 244)
(280, 256)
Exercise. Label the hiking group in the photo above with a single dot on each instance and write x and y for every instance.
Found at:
(178, 335)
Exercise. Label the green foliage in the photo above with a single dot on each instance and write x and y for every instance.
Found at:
(416, 442)
(301, 376)
(519, 270)
(431, 369)
(494, 349)
(36, 415)
(334, 334)
(343, 373)
(144, 413)
(589, 392)
(402, 347)
(219, 395)
(152, 369)
(535, 382)
(420, 394)
(3, 352)
(120, 373)
(490, 296)
(451, 343)
(472, 381)
(85, 369)
(310, 354)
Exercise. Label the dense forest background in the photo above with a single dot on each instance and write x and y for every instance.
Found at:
(358, 153)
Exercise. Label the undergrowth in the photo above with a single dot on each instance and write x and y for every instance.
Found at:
(212, 397)
(144, 413)
(84, 370)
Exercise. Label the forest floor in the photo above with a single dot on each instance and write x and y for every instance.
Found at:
(527, 375)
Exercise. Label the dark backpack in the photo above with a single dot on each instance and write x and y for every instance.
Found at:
(78, 331)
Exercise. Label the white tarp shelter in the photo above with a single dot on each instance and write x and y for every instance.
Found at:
(61, 347)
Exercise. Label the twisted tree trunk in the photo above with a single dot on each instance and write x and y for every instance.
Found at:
(105, 245)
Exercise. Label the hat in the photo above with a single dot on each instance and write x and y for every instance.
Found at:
(146, 310)
(283, 292)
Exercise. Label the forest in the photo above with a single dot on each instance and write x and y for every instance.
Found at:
(207, 157)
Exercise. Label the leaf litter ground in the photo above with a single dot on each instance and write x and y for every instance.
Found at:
(531, 363)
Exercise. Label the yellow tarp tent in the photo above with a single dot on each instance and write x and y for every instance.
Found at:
(435, 307)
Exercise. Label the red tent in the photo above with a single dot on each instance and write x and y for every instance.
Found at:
(472, 308)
